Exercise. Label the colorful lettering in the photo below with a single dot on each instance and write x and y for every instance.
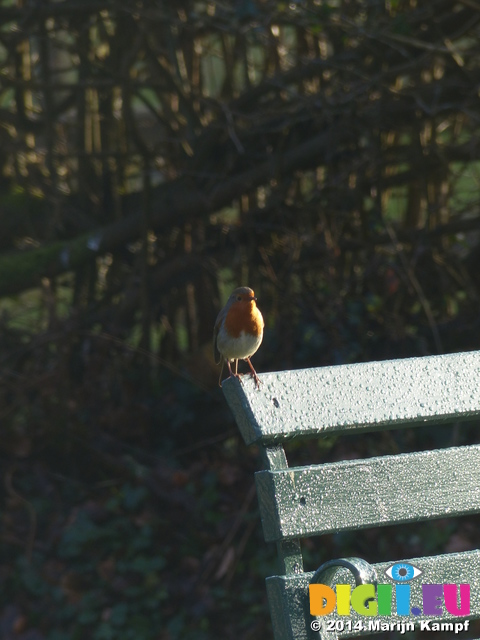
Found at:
(364, 600)
(322, 599)
(450, 595)
(402, 593)
(432, 599)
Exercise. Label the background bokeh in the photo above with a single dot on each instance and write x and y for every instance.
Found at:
(153, 156)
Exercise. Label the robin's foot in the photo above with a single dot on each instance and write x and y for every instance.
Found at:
(239, 377)
(257, 379)
(253, 373)
(232, 374)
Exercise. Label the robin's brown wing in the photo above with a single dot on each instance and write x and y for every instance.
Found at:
(216, 353)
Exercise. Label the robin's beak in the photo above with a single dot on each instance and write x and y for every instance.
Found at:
(253, 298)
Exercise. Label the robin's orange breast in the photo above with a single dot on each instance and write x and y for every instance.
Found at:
(244, 318)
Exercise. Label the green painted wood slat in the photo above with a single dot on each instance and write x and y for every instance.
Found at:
(366, 396)
(354, 494)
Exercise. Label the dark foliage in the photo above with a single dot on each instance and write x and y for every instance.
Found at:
(153, 156)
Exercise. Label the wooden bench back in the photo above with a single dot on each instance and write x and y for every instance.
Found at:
(313, 500)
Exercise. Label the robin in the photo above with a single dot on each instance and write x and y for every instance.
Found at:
(238, 332)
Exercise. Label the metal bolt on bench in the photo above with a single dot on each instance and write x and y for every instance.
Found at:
(313, 500)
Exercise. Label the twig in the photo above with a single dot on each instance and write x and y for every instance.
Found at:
(231, 129)
(417, 286)
(152, 356)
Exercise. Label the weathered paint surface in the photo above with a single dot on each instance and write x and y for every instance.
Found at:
(371, 395)
(354, 494)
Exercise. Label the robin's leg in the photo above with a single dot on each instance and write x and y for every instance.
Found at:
(234, 375)
(253, 373)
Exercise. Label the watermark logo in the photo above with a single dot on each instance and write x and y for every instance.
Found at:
(402, 572)
(371, 600)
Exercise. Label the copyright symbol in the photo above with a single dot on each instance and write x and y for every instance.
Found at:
(315, 625)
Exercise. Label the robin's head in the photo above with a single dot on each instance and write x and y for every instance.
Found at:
(242, 296)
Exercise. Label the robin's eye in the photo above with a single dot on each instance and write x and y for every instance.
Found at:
(239, 298)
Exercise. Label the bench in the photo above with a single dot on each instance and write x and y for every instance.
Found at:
(305, 501)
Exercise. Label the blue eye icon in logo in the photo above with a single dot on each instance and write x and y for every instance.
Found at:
(402, 572)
